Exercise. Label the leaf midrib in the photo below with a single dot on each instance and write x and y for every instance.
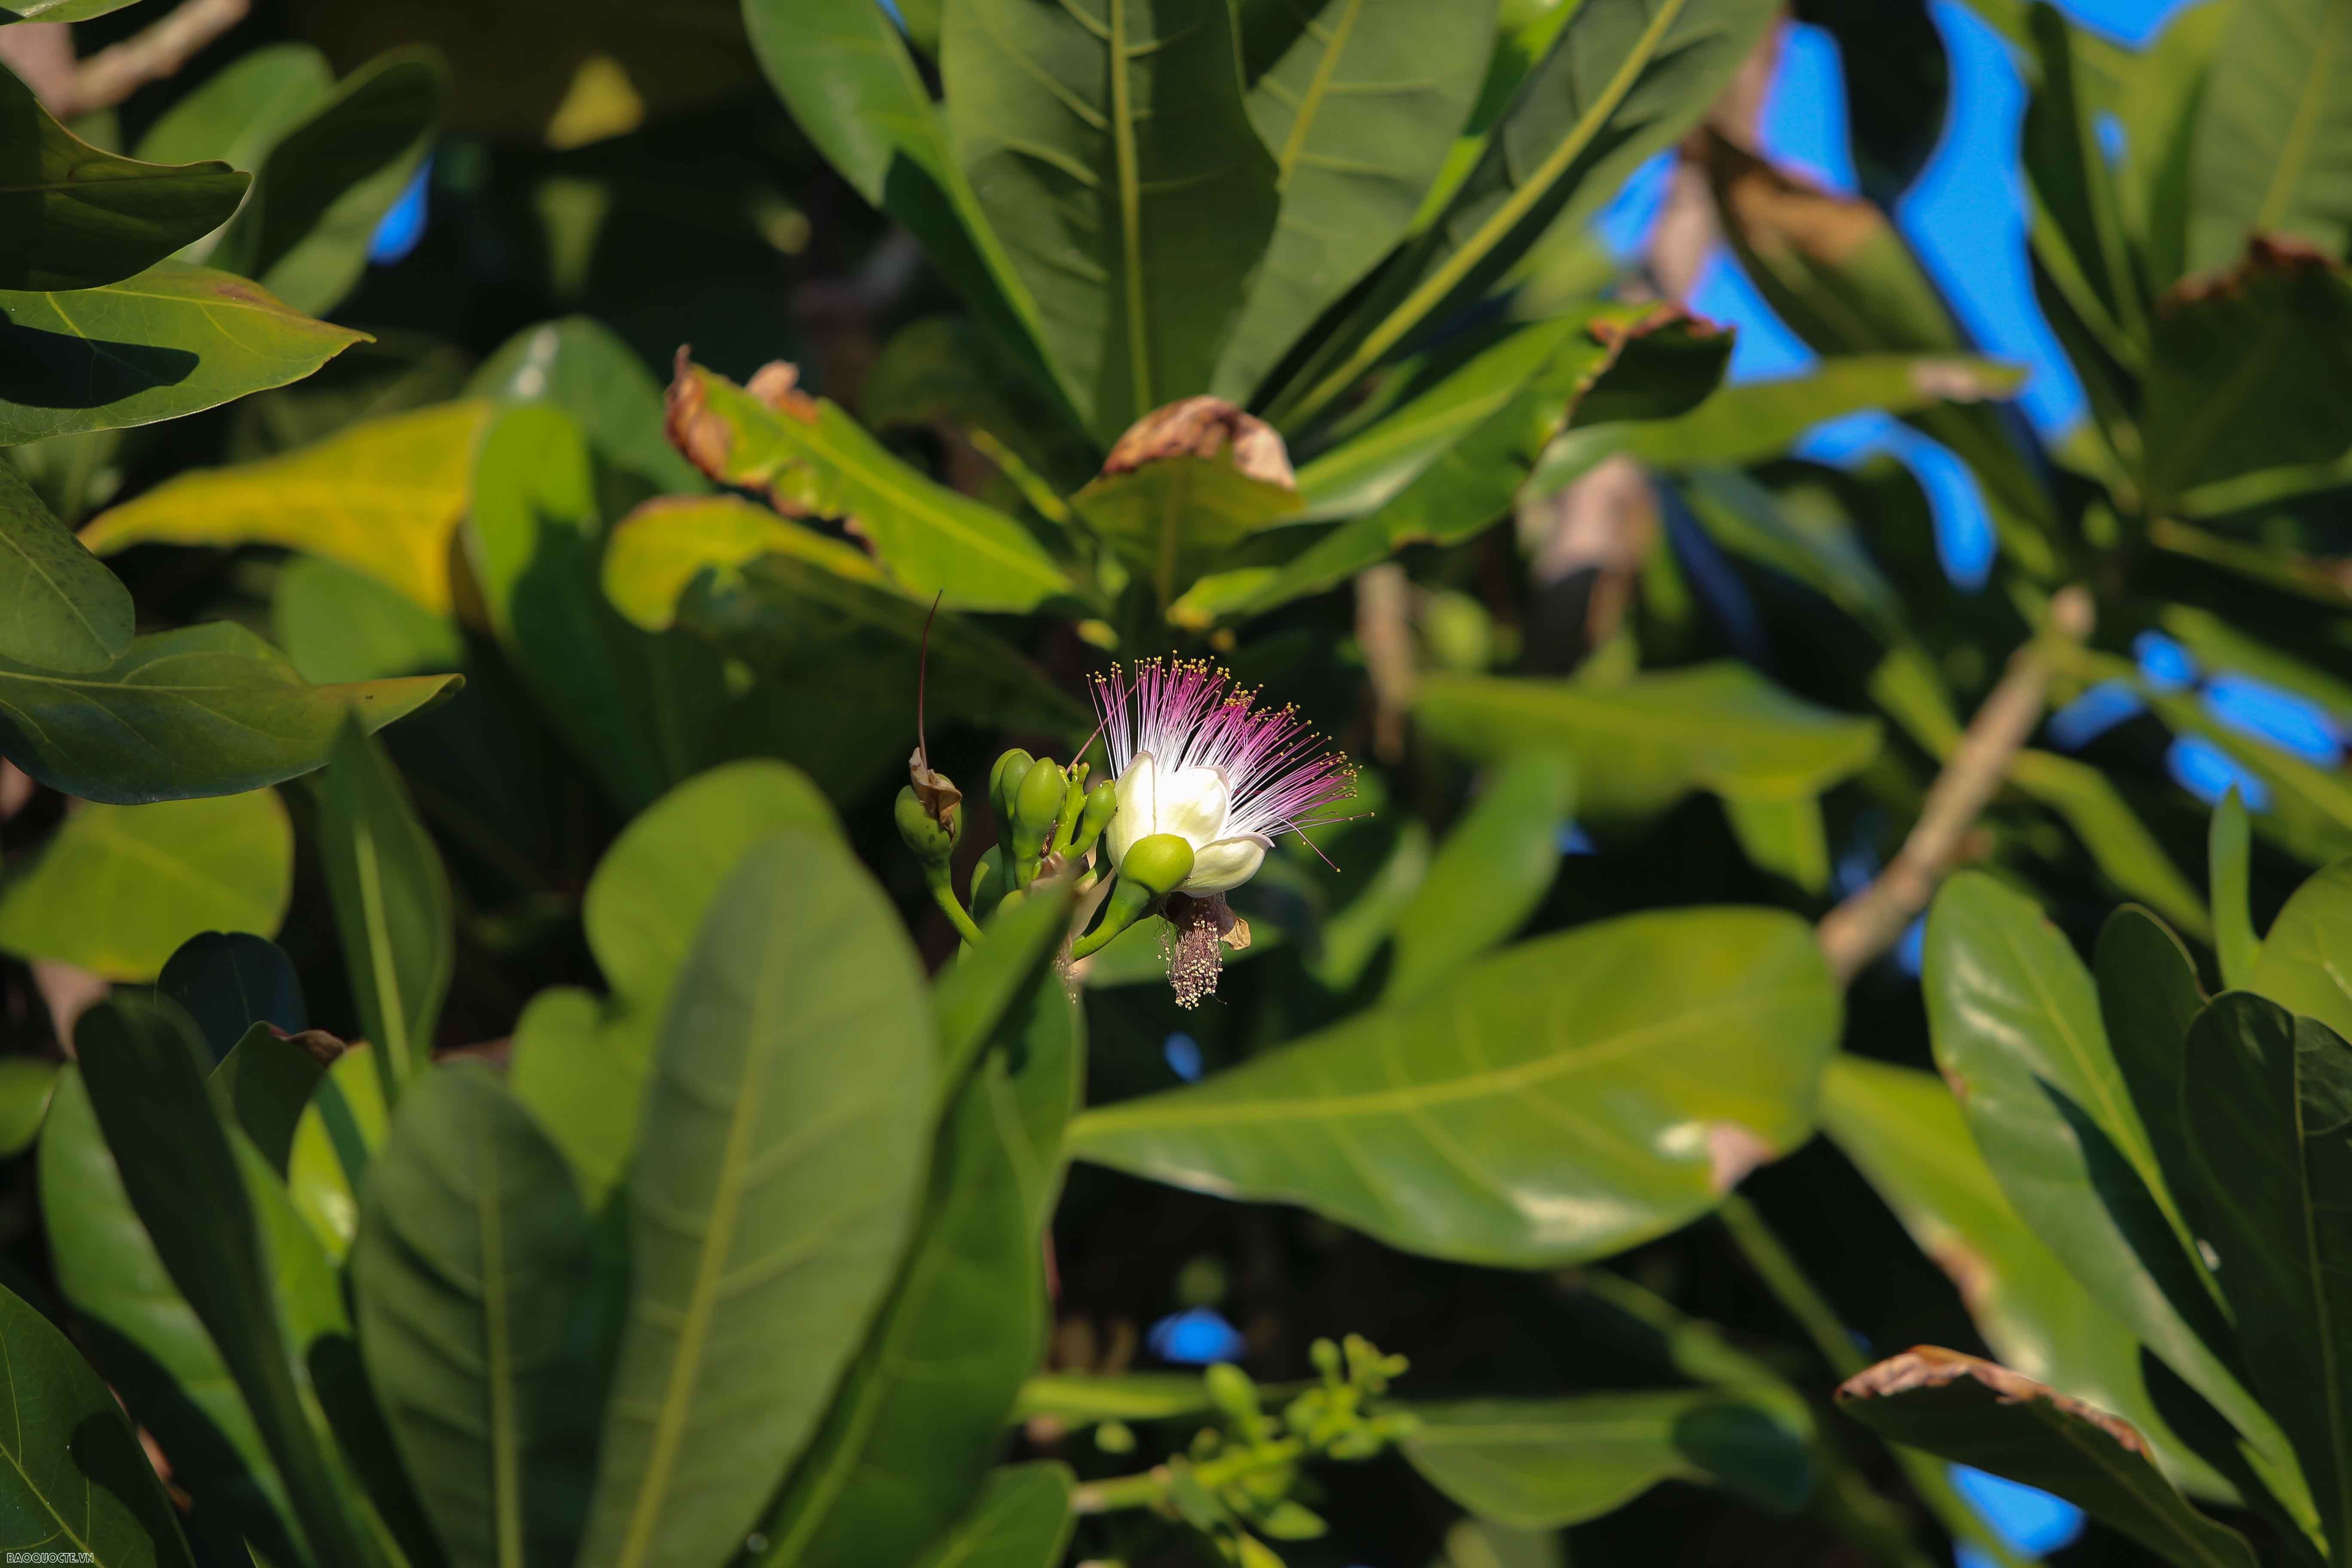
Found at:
(2304, 125)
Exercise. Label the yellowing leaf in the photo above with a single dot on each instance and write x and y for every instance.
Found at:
(662, 546)
(380, 498)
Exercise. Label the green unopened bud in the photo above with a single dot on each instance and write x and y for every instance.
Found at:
(1005, 783)
(1037, 811)
(1158, 863)
(931, 838)
(1095, 815)
(1231, 1391)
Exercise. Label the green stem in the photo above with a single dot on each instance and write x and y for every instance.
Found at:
(1796, 1293)
(943, 892)
(1094, 941)
(1150, 1489)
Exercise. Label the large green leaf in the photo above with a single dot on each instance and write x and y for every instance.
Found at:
(328, 179)
(335, 623)
(475, 1285)
(1489, 874)
(812, 459)
(172, 341)
(2126, 851)
(2266, 1101)
(145, 1337)
(1625, 79)
(579, 1064)
(1172, 518)
(1466, 1123)
(2148, 995)
(265, 1083)
(393, 909)
(76, 1485)
(1641, 745)
(226, 981)
(75, 217)
(60, 10)
(1022, 1519)
(1133, 198)
(2305, 963)
(206, 710)
(27, 1087)
(1548, 1463)
(971, 995)
(119, 888)
(777, 1170)
(382, 496)
(181, 1170)
(1975, 1413)
(60, 608)
(1358, 101)
(2014, 1020)
(922, 1410)
(581, 366)
(2274, 150)
(237, 113)
(2078, 232)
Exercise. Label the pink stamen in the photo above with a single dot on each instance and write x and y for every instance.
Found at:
(1187, 713)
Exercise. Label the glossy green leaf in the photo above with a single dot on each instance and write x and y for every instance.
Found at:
(60, 608)
(971, 996)
(339, 1132)
(327, 181)
(393, 909)
(1358, 101)
(382, 496)
(922, 1410)
(60, 10)
(777, 1171)
(1489, 874)
(1546, 1464)
(475, 1284)
(172, 341)
(2266, 1101)
(581, 1065)
(181, 1171)
(1134, 224)
(237, 113)
(842, 70)
(2148, 995)
(119, 888)
(2274, 150)
(206, 710)
(1641, 745)
(75, 217)
(264, 1085)
(1021, 1520)
(334, 623)
(1975, 1413)
(812, 459)
(583, 367)
(2015, 1024)
(1172, 518)
(1625, 79)
(2305, 964)
(27, 1084)
(226, 981)
(1461, 1123)
(145, 1337)
(76, 1480)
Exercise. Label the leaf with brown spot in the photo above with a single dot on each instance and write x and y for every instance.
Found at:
(1184, 485)
(1979, 1412)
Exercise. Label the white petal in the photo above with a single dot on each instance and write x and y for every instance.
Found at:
(1194, 803)
(1135, 791)
(1227, 863)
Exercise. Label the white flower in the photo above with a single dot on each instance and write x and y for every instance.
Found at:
(1196, 757)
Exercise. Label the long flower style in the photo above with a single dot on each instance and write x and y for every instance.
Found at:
(1196, 755)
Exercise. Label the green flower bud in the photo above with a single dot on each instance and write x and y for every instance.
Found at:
(1005, 783)
(931, 840)
(1095, 815)
(1157, 863)
(1037, 811)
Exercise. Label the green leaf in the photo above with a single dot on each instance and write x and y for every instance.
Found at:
(77, 1479)
(239, 113)
(185, 1179)
(1546, 1464)
(265, 1084)
(2158, 105)
(581, 366)
(226, 981)
(1081, 1399)
(2304, 964)
(172, 341)
(327, 181)
(1489, 874)
(2274, 150)
(944, 371)
(475, 1282)
(2015, 1024)
(1022, 1519)
(973, 994)
(340, 1129)
(1352, 935)
(2078, 222)
(1782, 834)
(26, 1087)
(204, 709)
(145, 1337)
(2148, 995)
(1641, 745)
(392, 910)
(117, 889)
(60, 10)
(921, 1412)
(335, 623)
(2127, 853)
(1461, 1123)
(655, 552)
(777, 1171)
(1626, 79)
(1172, 518)
(2250, 371)
(581, 1065)
(1359, 101)
(843, 70)
(382, 497)
(1909, 1137)
(75, 217)
(812, 459)
(1135, 227)
(2266, 1101)
(1975, 1413)
(60, 609)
